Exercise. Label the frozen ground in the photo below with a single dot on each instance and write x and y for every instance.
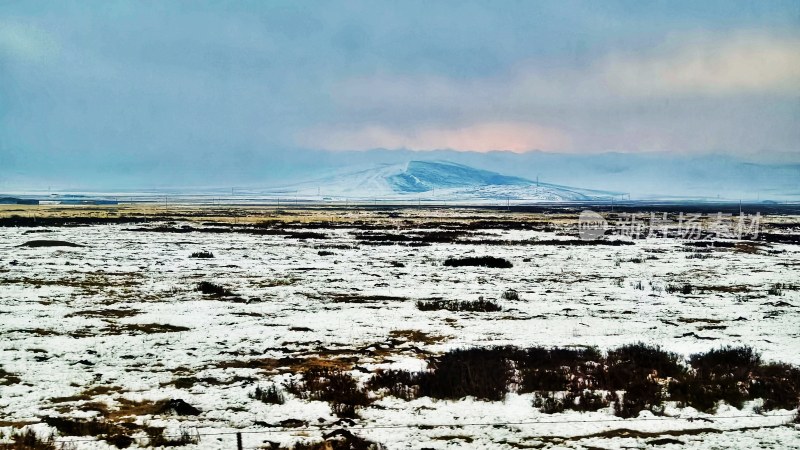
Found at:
(89, 331)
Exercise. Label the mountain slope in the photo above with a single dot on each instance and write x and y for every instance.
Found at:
(437, 179)
(424, 176)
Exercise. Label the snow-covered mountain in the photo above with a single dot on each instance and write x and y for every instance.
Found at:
(650, 176)
(438, 180)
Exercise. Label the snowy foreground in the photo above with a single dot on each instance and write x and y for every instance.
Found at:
(93, 331)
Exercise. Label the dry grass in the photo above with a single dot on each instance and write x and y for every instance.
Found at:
(355, 298)
(8, 378)
(86, 284)
(141, 328)
(89, 394)
(103, 390)
(38, 331)
(132, 408)
(189, 382)
(247, 215)
(105, 313)
(418, 336)
(736, 288)
(290, 365)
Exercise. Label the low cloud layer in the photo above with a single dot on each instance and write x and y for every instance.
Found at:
(741, 64)
(482, 137)
(697, 93)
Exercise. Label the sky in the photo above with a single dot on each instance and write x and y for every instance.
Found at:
(129, 83)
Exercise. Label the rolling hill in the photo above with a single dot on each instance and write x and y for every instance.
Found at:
(437, 179)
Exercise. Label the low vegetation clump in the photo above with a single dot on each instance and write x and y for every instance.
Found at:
(382, 237)
(636, 369)
(479, 305)
(632, 378)
(685, 289)
(8, 378)
(640, 395)
(556, 402)
(479, 261)
(418, 238)
(142, 328)
(303, 235)
(722, 374)
(778, 384)
(511, 295)
(48, 243)
(587, 400)
(271, 395)
(397, 383)
(29, 440)
(216, 290)
(80, 427)
(203, 254)
(334, 386)
(118, 434)
(340, 439)
(550, 402)
(632, 362)
(438, 236)
(483, 373)
(559, 369)
(112, 433)
(157, 438)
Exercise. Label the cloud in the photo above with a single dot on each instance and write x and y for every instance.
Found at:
(481, 137)
(746, 63)
(25, 42)
(127, 80)
(694, 92)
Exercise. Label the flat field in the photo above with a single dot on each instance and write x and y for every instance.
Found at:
(146, 326)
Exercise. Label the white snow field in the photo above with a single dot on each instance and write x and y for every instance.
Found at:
(111, 328)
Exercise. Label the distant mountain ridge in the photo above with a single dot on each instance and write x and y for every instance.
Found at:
(643, 176)
(439, 179)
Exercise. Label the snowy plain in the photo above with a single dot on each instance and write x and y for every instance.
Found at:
(80, 319)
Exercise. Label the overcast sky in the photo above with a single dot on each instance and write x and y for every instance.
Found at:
(133, 80)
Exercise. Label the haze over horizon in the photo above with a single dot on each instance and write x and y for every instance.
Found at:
(95, 93)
